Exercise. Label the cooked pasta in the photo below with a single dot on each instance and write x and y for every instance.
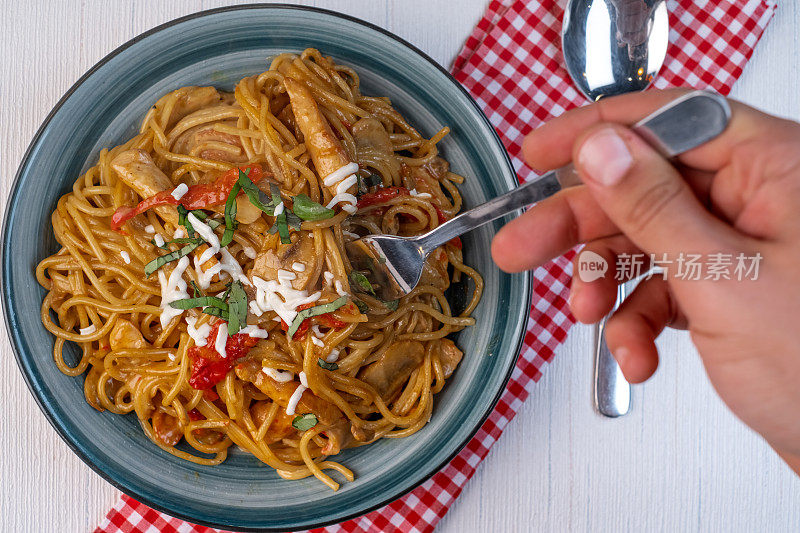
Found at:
(203, 277)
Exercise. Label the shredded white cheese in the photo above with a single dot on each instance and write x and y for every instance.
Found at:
(350, 234)
(179, 191)
(339, 289)
(125, 257)
(172, 288)
(88, 330)
(150, 229)
(222, 340)
(159, 240)
(249, 252)
(317, 332)
(328, 277)
(207, 234)
(254, 332)
(280, 296)
(317, 341)
(278, 209)
(333, 356)
(179, 232)
(338, 175)
(297, 394)
(343, 178)
(298, 267)
(198, 335)
(277, 375)
(414, 192)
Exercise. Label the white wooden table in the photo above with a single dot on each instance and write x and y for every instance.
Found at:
(679, 462)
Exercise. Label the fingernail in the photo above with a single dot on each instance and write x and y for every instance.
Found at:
(605, 157)
(621, 354)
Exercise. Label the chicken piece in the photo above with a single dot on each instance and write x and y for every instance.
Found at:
(167, 428)
(328, 415)
(125, 335)
(389, 373)
(325, 149)
(300, 250)
(192, 99)
(138, 171)
(449, 356)
(280, 427)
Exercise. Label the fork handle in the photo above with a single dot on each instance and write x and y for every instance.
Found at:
(684, 123)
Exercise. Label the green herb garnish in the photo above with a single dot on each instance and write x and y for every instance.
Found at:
(391, 304)
(326, 365)
(230, 216)
(237, 308)
(361, 281)
(314, 311)
(362, 307)
(215, 311)
(255, 195)
(195, 289)
(307, 209)
(304, 422)
(162, 260)
(280, 220)
(200, 301)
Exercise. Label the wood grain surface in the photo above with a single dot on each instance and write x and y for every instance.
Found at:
(679, 462)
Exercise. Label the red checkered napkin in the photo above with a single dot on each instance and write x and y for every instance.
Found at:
(512, 65)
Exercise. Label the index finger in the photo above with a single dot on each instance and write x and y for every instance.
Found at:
(550, 146)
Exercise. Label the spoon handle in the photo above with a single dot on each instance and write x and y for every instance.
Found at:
(684, 123)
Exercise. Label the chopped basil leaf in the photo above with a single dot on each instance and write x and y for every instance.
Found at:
(214, 223)
(326, 365)
(314, 311)
(293, 221)
(304, 422)
(237, 308)
(255, 195)
(307, 209)
(361, 281)
(160, 261)
(215, 311)
(391, 304)
(230, 216)
(362, 307)
(200, 301)
(179, 240)
(195, 289)
(280, 220)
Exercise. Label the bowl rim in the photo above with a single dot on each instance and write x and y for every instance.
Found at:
(13, 332)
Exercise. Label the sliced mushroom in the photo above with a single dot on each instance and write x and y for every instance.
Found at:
(370, 133)
(300, 250)
(206, 142)
(389, 373)
(426, 179)
(125, 335)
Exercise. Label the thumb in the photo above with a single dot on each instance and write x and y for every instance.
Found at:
(645, 196)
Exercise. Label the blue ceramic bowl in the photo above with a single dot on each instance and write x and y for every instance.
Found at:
(104, 108)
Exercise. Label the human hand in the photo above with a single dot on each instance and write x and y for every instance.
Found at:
(738, 194)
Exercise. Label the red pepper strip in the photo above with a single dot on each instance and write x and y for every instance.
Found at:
(327, 320)
(200, 196)
(209, 367)
(380, 196)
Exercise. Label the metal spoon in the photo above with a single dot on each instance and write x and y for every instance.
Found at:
(613, 47)
(393, 265)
